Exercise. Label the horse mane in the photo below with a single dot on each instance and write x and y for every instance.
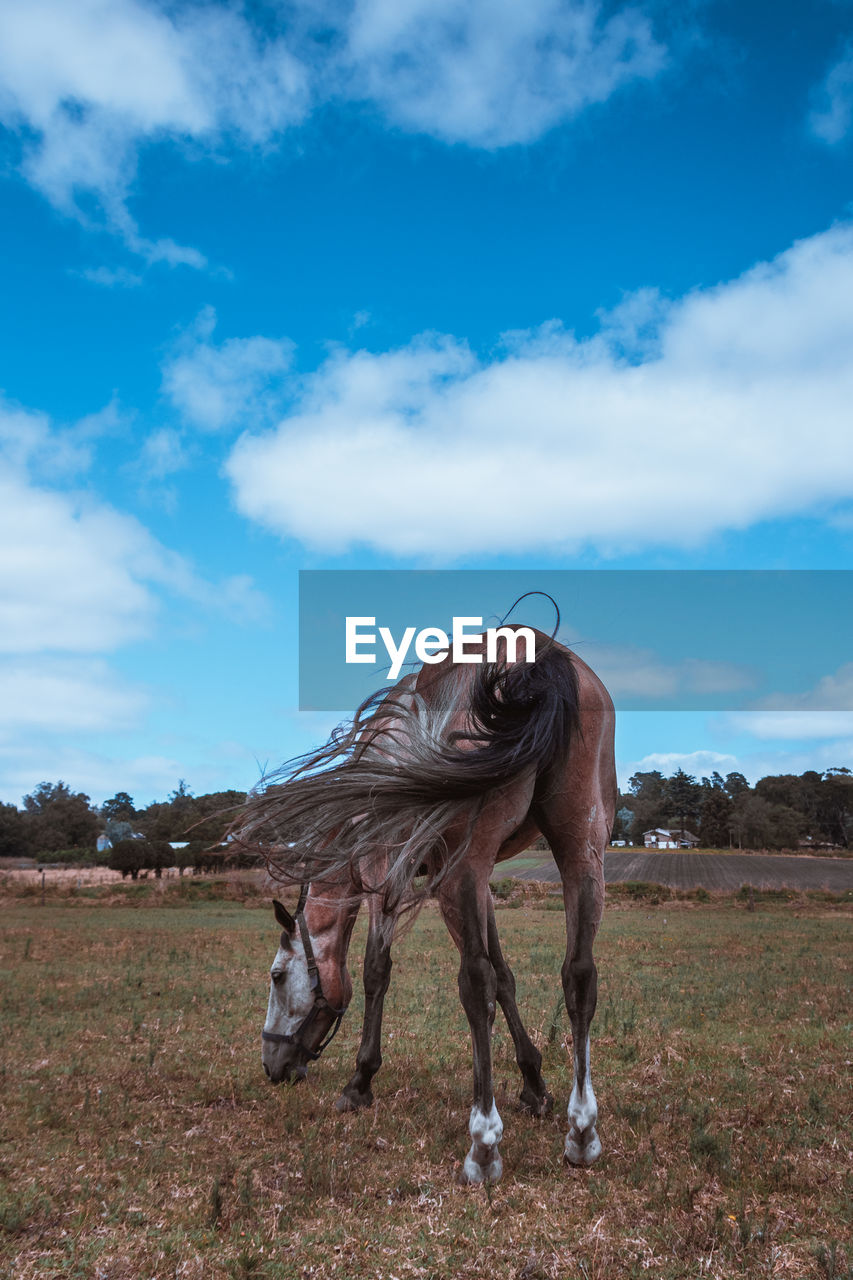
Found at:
(403, 779)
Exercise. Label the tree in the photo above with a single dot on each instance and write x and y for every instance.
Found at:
(118, 809)
(59, 818)
(170, 819)
(837, 806)
(647, 802)
(735, 784)
(715, 822)
(758, 824)
(787, 827)
(119, 831)
(159, 854)
(183, 858)
(14, 833)
(682, 796)
(751, 820)
(622, 823)
(156, 821)
(212, 814)
(129, 857)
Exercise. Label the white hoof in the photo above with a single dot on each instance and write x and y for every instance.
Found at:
(584, 1149)
(483, 1162)
(476, 1173)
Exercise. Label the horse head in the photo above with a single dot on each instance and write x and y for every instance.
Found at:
(300, 1021)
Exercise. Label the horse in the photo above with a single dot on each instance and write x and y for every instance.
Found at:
(457, 769)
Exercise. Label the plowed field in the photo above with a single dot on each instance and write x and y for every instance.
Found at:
(721, 871)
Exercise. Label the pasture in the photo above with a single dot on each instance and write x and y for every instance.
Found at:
(141, 1139)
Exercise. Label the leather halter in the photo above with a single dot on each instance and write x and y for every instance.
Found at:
(320, 1004)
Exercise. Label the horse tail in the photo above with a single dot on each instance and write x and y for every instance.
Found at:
(410, 775)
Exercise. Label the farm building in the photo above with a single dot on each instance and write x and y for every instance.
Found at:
(663, 838)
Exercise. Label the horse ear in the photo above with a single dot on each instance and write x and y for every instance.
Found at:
(283, 916)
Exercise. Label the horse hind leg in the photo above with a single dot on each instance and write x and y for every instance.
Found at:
(478, 992)
(534, 1096)
(580, 859)
(583, 893)
(464, 907)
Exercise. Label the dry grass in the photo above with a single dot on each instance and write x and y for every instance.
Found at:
(59, 877)
(141, 1139)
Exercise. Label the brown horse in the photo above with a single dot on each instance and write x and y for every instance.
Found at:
(459, 768)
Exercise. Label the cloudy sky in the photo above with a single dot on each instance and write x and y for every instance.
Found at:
(403, 283)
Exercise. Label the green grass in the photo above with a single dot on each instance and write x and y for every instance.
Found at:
(140, 1138)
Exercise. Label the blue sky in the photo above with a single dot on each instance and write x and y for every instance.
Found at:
(352, 284)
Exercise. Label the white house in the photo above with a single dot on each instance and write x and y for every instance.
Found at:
(662, 838)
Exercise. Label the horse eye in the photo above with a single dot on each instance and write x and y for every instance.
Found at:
(277, 975)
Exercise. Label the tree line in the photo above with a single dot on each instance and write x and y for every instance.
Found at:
(57, 824)
(782, 811)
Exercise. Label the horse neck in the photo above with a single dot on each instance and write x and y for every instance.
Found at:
(330, 912)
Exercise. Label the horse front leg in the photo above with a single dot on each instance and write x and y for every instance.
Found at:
(377, 976)
(534, 1096)
(466, 915)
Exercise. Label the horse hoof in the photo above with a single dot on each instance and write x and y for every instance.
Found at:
(535, 1105)
(353, 1102)
(583, 1150)
(472, 1174)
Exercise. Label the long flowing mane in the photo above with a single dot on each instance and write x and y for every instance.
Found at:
(410, 773)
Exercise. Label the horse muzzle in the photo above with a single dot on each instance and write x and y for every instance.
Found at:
(289, 1072)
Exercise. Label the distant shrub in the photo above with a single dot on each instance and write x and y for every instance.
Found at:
(747, 892)
(207, 860)
(643, 891)
(85, 857)
(129, 857)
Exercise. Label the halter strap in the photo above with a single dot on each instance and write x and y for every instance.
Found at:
(313, 971)
(320, 1001)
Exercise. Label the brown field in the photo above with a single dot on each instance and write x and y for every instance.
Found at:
(141, 1141)
(720, 872)
(60, 877)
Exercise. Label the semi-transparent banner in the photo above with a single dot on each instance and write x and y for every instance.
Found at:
(662, 640)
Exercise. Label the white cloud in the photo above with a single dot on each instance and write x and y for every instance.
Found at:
(72, 572)
(693, 762)
(741, 413)
(629, 671)
(824, 711)
(818, 755)
(28, 440)
(87, 85)
(831, 693)
(791, 726)
(145, 777)
(111, 277)
(76, 575)
(162, 454)
(214, 387)
(490, 72)
(79, 579)
(832, 116)
(65, 694)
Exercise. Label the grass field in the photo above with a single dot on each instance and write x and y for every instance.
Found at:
(140, 1138)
